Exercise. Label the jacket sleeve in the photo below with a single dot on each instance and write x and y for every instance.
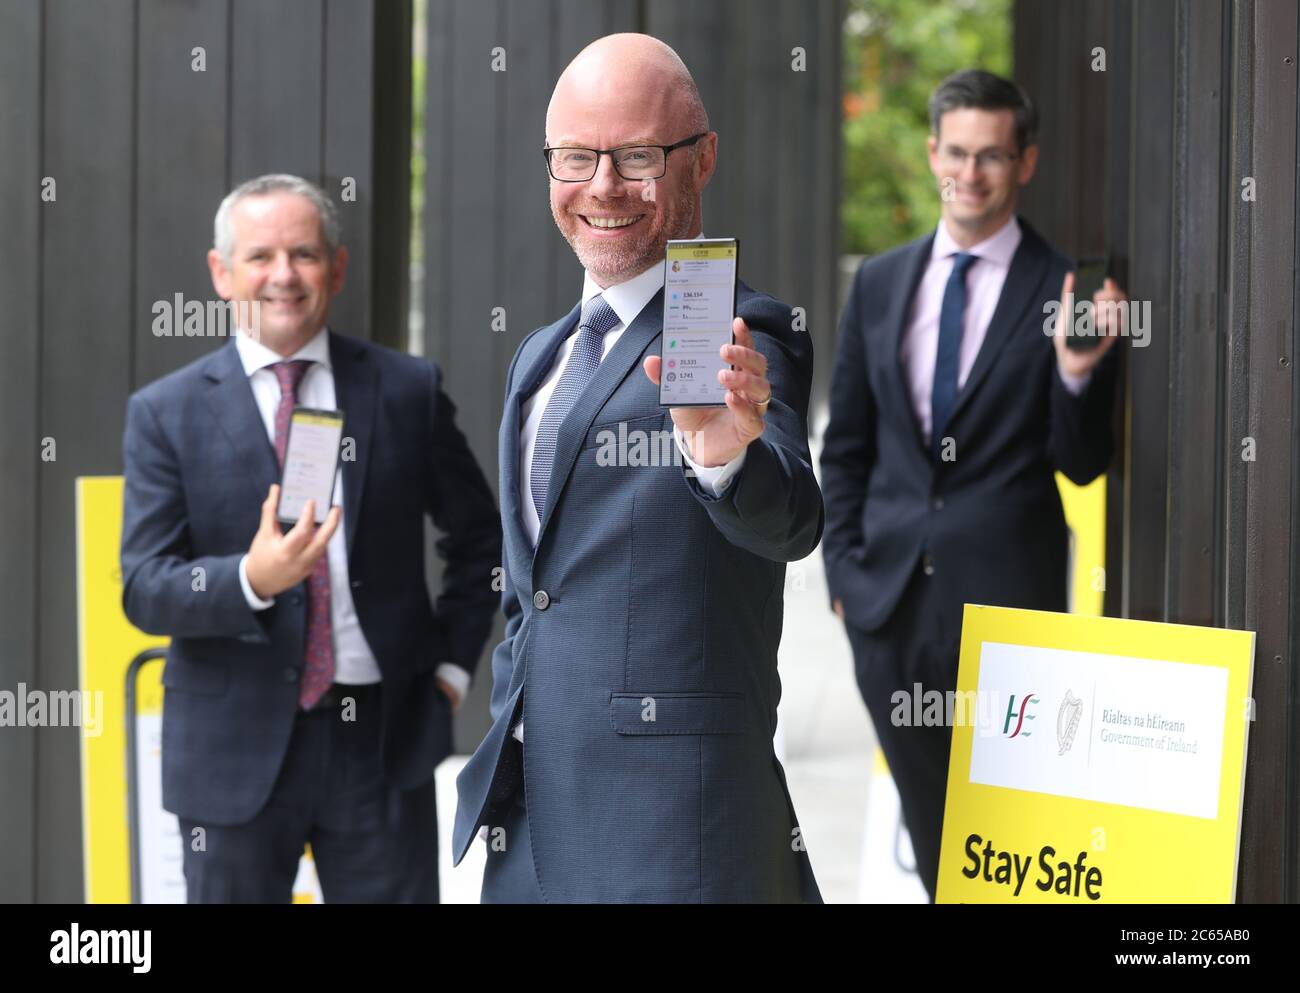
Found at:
(165, 589)
(849, 445)
(1079, 442)
(773, 507)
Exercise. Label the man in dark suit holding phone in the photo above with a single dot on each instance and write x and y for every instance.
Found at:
(310, 683)
(951, 411)
(634, 697)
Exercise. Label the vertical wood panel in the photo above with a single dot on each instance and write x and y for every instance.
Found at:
(1268, 592)
(348, 151)
(1146, 470)
(1198, 190)
(85, 369)
(20, 218)
(474, 217)
(181, 170)
(276, 86)
(535, 256)
(1206, 96)
(1118, 138)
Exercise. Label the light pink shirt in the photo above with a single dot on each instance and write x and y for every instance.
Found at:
(984, 281)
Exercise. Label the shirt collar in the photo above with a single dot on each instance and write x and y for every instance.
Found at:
(628, 299)
(253, 355)
(999, 247)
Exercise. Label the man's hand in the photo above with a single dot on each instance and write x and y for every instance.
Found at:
(1107, 322)
(838, 607)
(277, 561)
(716, 435)
(450, 693)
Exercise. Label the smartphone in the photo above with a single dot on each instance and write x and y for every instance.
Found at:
(1088, 279)
(311, 463)
(699, 306)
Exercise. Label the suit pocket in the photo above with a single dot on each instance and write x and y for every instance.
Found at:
(677, 713)
(206, 678)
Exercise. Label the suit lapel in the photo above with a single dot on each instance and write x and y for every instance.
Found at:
(1018, 292)
(356, 390)
(613, 370)
(529, 378)
(900, 310)
(234, 409)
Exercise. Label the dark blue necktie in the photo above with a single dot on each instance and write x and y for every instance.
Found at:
(598, 318)
(947, 359)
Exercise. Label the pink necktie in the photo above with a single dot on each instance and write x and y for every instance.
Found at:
(318, 673)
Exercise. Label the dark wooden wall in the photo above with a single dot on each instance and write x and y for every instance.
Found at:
(101, 97)
(489, 240)
(1145, 161)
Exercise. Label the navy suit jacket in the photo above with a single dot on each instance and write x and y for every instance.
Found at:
(198, 467)
(642, 635)
(991, 520)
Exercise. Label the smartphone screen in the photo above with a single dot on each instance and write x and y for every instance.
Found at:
(1088, 279)
(699, 306)
(311, 462)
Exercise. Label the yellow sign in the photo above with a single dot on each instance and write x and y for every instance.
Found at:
(1094, 760)
(107, 644)
(1085, 514)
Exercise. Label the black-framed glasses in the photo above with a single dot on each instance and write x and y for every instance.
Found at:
(991, 159)
(579, 165)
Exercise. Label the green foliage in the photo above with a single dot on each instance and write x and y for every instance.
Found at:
(895, 53)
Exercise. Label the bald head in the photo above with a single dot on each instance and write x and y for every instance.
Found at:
(623, 91)
(629, 70)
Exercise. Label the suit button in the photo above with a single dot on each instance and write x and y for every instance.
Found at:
(356, 584)
(937, 503)
(541, 600)
(295, 598)
(290, 674)
(927, 565)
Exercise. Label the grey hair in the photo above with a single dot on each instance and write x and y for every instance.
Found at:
(223, 231)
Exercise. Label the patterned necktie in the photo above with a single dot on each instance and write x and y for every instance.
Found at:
(598, 318)
(947, 359)
(318, 673)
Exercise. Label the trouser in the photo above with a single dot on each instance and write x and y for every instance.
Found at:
(510, 876)
(371, 842)
(918, 644)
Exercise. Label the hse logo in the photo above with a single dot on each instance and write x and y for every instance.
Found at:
(1019, 715)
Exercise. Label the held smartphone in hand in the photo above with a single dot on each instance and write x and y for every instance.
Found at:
(1088, 279)
(311, 463)
(699, 306)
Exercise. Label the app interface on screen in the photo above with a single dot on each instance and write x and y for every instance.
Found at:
(699, 303)
(310, 464)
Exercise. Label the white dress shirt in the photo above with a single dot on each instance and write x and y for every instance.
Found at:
(354, 662)
(627, 300)
(984, 282)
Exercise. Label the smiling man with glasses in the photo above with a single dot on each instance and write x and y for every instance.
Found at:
(634, 696)
(951, 410)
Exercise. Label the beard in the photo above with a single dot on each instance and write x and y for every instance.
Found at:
(616, 262)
